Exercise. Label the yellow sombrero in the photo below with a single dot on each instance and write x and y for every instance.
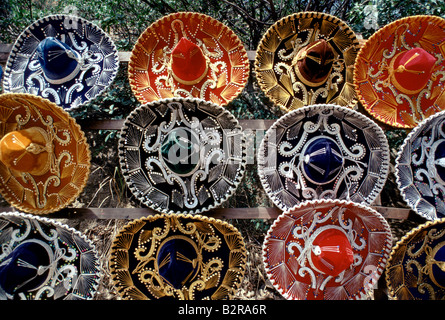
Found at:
(307, 58)
(178, 256)
(44, 155)
(188, 54)
(399, 71)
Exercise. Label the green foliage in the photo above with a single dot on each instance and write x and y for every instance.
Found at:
(390, 10)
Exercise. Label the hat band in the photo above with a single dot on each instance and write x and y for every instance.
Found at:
(190, 82)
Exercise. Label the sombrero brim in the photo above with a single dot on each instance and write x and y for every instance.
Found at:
(23, 73)
(360, 178)
(409, 274)
(415, 171)
(371, 246)
(51, 191)
(75, 252)
(272, 60)
(388, 104)
(135, 248)
(149, 76)
(216, 165)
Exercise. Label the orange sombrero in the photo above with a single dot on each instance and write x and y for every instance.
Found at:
(307, 58)
(399, 71)
(44, 155)
(188, 54)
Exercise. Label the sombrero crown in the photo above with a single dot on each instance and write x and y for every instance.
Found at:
(188, 54)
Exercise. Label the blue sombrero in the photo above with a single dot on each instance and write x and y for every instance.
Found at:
(65, 59)
(42, 259)
(416, 267)
(323, 152)
(420, 168)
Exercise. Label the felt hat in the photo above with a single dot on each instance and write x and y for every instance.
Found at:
(42, 259)
(416, 266)
(398, 72)
(182, 154)
(44, 155)
(420, 168)
(326, 250)
(307, 58)
(65, 59)
(323, 151)
(188, 54)
(177, 256)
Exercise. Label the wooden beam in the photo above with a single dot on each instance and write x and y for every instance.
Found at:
(219, 213)
(250, 124)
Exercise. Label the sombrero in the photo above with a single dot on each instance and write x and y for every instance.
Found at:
(42, 259)
(327, 250)
(182, 154)
(65, 59)
(307, 58)
(44, 155)
(399, 71)
(176, 256)
(420, 168)
(188, 54)
(415, 269)
(323, 152)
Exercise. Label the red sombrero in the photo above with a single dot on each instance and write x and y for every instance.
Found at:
(188, 54)
(399, 72)
(327, 250)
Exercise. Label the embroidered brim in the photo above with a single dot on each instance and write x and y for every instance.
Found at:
(380, 96)
(323, 152)
(175, 256)
(419, 170)
(68, 268)
(182, 155)
(278, 75)
(149, 69)
(97, 69)
(415, 266)
(69, 158)
(287, 250)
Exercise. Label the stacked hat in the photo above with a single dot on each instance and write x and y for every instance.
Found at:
(44, 155)
(399, 71)
(176, 256)
(327, 250)
(307, 58)
(188, 54)
(182, 154)
(416, 266)
(323, 152)
(42, 259)
(62, 58)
